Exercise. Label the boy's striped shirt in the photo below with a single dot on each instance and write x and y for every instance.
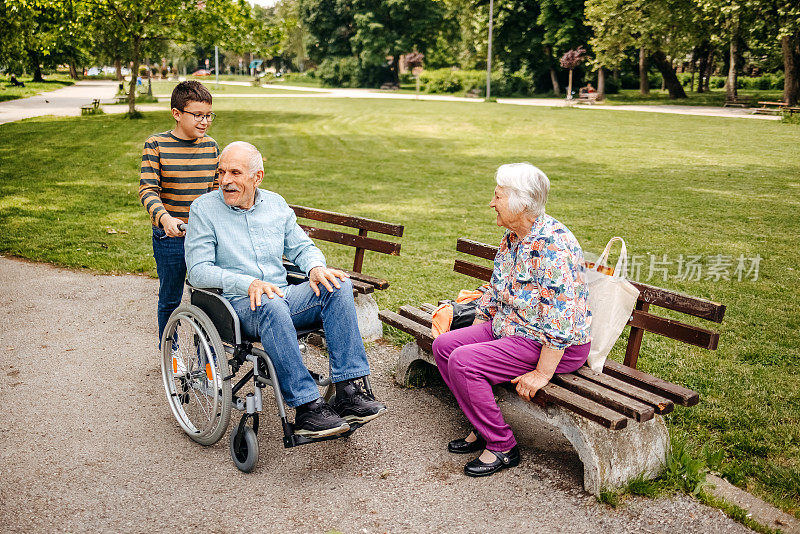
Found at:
(174, 172)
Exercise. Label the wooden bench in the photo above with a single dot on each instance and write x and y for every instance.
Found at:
(363, 284)
(89, 109)
(771, 108)
(613, 419)
(739, 101)
(585, 97)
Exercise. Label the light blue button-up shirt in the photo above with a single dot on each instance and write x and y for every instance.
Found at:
(229, 247)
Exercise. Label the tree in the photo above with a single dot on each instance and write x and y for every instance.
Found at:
(563, 26)
(144, 24)
(389, 28)
(570, 60)
(659, 27)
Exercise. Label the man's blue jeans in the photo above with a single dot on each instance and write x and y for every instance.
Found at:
(275, 323)
(171, 268)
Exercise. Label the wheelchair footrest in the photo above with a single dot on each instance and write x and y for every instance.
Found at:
(293, 440)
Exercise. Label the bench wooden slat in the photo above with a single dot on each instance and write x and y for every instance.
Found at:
(353, 240)
(607, 397)
(358, 287)
(674, 329)
(674, 392)
(415, 314)
(672, 300)
(421, 333)
(473, 269)
(476, 248)
(661, 405)
(427, 307)
(348, 220)
(377, 283)
(588, 408)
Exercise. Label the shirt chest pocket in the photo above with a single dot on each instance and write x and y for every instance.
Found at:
(267, 240)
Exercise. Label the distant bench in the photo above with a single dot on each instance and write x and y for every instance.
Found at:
(88, 109)
(775, 108)
(613, 419)
(363, 284)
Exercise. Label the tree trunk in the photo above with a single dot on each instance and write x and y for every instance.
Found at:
(569, 86)
(644, 83)
(790, 45)
(33, 55)
(601, 84)
(554, 81)
(553, 76)
(709, 70)
(134, 74)
(72, 72)
(118, 66)
(704, 57)
(730, 82)
(396, 69)
(671, 82)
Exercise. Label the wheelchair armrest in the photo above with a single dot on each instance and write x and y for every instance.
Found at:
(220, 311)
(215, 290)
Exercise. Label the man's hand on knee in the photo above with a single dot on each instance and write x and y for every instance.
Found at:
(326, 277)
(258, 288)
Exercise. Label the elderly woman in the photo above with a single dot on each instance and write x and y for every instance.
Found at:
(532, 322)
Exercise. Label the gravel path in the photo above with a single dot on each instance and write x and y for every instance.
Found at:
(88, 443)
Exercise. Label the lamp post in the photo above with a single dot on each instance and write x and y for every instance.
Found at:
(216, 62)
(489, 53)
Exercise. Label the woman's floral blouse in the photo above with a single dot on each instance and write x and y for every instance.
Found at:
(538, 289)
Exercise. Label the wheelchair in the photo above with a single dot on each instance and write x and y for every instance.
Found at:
(203, 348)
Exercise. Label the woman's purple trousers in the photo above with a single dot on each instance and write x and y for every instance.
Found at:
(471, 361)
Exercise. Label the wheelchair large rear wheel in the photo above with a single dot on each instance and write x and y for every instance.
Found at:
(193, 367)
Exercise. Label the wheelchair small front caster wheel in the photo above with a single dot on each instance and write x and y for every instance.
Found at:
(244, 449)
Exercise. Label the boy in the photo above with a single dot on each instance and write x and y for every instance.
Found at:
(177, 167)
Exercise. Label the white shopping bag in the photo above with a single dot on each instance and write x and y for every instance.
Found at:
(611, 300)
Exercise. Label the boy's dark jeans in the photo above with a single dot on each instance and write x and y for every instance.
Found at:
(171, 268)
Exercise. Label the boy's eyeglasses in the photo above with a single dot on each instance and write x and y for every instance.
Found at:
(199, 116)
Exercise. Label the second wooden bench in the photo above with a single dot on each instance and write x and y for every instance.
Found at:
(614, 418)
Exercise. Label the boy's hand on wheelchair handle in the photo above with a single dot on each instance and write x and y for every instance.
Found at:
(172, 225)
(258, 288)
(326, 277)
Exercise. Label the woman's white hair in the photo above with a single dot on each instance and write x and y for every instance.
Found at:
(256, 161)
(526, 185)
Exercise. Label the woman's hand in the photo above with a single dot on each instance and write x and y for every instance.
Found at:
(529, 383)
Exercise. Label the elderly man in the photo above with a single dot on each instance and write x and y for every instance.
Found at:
(236, 239)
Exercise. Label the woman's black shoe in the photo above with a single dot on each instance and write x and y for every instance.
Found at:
(462, 446)
(476, 468)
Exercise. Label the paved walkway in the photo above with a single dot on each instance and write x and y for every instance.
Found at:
(68, 101)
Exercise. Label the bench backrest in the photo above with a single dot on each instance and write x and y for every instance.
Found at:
(641, 319)
(359, 241)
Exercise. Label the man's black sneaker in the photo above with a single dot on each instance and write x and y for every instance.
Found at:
(356, 405)
(317, 420)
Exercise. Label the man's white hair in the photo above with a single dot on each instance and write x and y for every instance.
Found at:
(256, 161)
(527, 187)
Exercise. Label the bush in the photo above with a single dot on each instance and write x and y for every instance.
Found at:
(350, 72)
(465, 81)
(291, 77)
(341, 72)
(612, 85)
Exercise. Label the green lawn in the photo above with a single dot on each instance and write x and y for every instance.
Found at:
(8, 92)
(671, 185)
